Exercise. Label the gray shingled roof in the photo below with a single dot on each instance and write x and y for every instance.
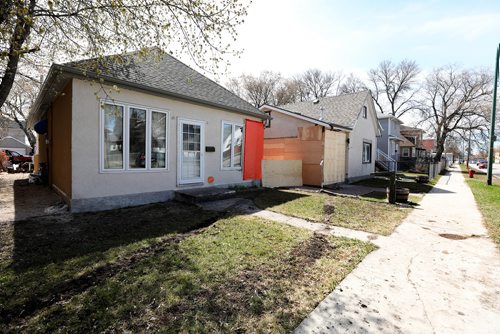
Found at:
(163, 73)
(340, 110)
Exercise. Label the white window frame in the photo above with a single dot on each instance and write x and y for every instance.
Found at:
(405, 152)
(363, 160)
(233, 125)
(126, 138)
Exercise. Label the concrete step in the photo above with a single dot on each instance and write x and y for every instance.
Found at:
(205, 194)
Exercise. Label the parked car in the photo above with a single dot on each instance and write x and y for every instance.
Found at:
(482, 164)
(17, 158)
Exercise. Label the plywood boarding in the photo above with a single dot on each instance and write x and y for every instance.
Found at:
(308, 148)
(334, 157)
(281, 173)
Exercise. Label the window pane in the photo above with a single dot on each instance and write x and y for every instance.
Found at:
(226, 145)
(238, 138)
(137, 138)
(113, 136)
(158, 140)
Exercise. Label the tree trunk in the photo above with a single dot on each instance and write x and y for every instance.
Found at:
(20, 34)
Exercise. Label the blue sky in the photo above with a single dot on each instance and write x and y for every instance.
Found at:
(290, 36)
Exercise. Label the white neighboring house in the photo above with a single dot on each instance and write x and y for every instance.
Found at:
(12, 137)
(353, 114)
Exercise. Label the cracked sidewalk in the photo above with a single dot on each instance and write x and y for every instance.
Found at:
(419, 281)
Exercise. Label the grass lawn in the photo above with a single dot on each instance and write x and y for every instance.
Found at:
(159, 268)
(488, 200)
(366, 215)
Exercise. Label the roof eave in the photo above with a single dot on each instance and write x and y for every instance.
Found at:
(57, 69)
(114, 80)
(332, 126)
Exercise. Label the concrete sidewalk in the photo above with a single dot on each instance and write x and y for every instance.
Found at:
(419, 281)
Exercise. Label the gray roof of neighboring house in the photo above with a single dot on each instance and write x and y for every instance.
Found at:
(389, 116)
(409, 128)
(157, 72)
(10, 142)
(340, 110)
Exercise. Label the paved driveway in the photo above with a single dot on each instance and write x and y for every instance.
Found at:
(437, 273)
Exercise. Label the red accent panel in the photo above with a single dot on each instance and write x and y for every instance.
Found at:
(254, 150)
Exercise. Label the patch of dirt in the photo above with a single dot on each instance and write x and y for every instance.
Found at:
(312, 249)
(453, 236)
(329, 208)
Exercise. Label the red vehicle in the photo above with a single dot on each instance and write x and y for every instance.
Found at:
(17, 158)
(482, 165)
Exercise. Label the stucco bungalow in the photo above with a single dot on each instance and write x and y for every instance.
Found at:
(335, 137)
(131, 130)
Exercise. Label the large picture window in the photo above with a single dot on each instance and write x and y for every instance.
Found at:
(232, 145)
(143, 146)
(367, 153)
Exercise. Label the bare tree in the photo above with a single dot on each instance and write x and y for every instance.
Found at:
(260, 90)
(16, 108)
(455, 100)
(287, 92)
(394, 86)
(31, 30)
(314, 84)
(352, 84)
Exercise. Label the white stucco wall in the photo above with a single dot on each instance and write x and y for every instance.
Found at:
(89, 182)
(365, 130)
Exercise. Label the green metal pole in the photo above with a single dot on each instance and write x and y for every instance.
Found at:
(493, 118)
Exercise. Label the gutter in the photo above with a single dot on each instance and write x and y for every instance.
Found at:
(332, 126)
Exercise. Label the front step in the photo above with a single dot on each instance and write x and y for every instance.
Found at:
(205, 194)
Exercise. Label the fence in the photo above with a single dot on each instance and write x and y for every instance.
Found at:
(437, 167)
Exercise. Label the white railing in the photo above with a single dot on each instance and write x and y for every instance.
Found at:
(386, 161)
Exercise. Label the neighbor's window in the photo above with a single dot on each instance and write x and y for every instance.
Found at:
(113, 136)
(232, 145)
(405, 152)
(146, 138)
(367, 152)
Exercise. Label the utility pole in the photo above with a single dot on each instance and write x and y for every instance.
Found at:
(493, 118)
(468, 151)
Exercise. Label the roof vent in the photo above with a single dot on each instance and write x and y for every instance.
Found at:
(322, 113)
(316, 101)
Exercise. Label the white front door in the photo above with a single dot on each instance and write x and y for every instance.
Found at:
(190, 157)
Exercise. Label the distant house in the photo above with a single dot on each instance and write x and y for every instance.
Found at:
(335, 137)
(144, 128)
(429, 145)
(12, 137)
(14, 144)
(412, 145)
(388, 145)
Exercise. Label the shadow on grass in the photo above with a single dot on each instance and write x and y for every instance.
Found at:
(412, 185)
(50, 239)
(274, 197)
